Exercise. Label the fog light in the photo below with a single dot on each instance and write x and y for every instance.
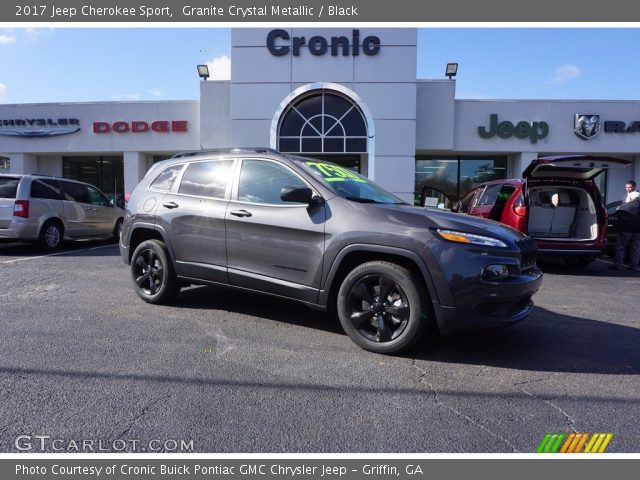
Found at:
(495, 272)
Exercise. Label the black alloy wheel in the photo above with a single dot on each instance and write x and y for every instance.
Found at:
(381, 306)
(152, 273)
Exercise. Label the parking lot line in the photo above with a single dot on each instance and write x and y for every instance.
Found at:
(15, 260)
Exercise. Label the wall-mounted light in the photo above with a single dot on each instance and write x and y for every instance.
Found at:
(452, 70)
(203, 72)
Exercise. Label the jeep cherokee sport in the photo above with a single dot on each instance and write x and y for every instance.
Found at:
(318, 233)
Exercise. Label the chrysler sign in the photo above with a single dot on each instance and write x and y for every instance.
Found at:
(38, 127)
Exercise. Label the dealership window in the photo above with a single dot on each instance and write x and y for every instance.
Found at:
(105, 172)
(454, 175)
(4, 163)
(322, 122)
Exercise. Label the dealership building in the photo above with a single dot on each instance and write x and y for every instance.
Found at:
(346, 95)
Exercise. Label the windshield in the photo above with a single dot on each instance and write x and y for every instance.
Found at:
(348, 184)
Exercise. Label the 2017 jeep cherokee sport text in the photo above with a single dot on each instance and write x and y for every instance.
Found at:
(321, 234)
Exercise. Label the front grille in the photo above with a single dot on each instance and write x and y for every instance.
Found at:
(528, 252)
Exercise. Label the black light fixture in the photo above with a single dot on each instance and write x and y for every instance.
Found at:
(452, 70)
(203, 71)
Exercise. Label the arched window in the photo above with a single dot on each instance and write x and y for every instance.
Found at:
(322, 121)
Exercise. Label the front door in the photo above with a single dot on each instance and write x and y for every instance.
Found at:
(272, 245)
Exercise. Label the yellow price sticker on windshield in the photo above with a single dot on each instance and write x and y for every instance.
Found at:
(334, 173)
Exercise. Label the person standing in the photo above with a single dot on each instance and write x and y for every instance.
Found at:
(628, 226)
(630, 187)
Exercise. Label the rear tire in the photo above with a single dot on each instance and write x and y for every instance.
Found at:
(152, 273)
(116, 231)
(50, 237)
(382, 306)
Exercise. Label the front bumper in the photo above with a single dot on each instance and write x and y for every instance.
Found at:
(466, 300)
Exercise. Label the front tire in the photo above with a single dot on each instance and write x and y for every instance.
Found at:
(50, 237)
(152, 273)
(382, 306)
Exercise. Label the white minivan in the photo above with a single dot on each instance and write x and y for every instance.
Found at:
(48, 210)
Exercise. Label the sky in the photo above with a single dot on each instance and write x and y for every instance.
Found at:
(110, 64)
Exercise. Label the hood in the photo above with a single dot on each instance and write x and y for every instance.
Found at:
(457, 221)
(576, 167)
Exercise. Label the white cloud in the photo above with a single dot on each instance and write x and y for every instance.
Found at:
(7, 39)
(154, 93)
(3, 90)
(565, 73)
(34, 34)
(220, 68)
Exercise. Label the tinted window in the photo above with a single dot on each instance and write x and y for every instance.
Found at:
(75, 192)
(48, 189)
(96, 197)
(489, 195)
(165, 180)
(9, 187)
(261, 182)
(206, 179)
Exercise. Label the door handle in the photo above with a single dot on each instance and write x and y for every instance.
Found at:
(170, 205)
(240, 213)
(87, 208)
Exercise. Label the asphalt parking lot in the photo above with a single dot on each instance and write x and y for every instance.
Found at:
(83, 359)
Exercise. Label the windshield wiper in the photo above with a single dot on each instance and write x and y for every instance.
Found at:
(361, 200)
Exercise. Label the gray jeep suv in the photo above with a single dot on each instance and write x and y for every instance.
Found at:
(318, 233)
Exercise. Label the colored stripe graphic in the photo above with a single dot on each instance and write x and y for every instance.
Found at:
(598, 443)
(574, 443)
(550, 443)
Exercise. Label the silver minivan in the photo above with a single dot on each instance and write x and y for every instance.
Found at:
(48, 210)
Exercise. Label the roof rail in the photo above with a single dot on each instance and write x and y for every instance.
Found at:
(226, 150)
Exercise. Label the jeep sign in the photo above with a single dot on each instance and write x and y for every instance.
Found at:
(534, 131)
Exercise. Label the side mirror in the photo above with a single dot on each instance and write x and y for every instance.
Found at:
(299, 195)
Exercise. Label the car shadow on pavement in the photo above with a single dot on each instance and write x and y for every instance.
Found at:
(547, 342)
(254, 304)
(600, 268)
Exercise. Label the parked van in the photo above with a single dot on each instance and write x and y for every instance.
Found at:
(48, 210)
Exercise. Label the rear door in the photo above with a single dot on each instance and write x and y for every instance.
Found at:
(574, 167)
(45, 199)
(192, 214)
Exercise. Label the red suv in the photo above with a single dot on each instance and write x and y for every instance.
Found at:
(557, 203)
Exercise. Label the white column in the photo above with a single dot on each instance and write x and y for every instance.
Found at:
(23, 163)
(50, 165)
(135, 166)
(519, 163)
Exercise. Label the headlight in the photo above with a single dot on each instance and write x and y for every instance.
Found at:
(469, 238)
